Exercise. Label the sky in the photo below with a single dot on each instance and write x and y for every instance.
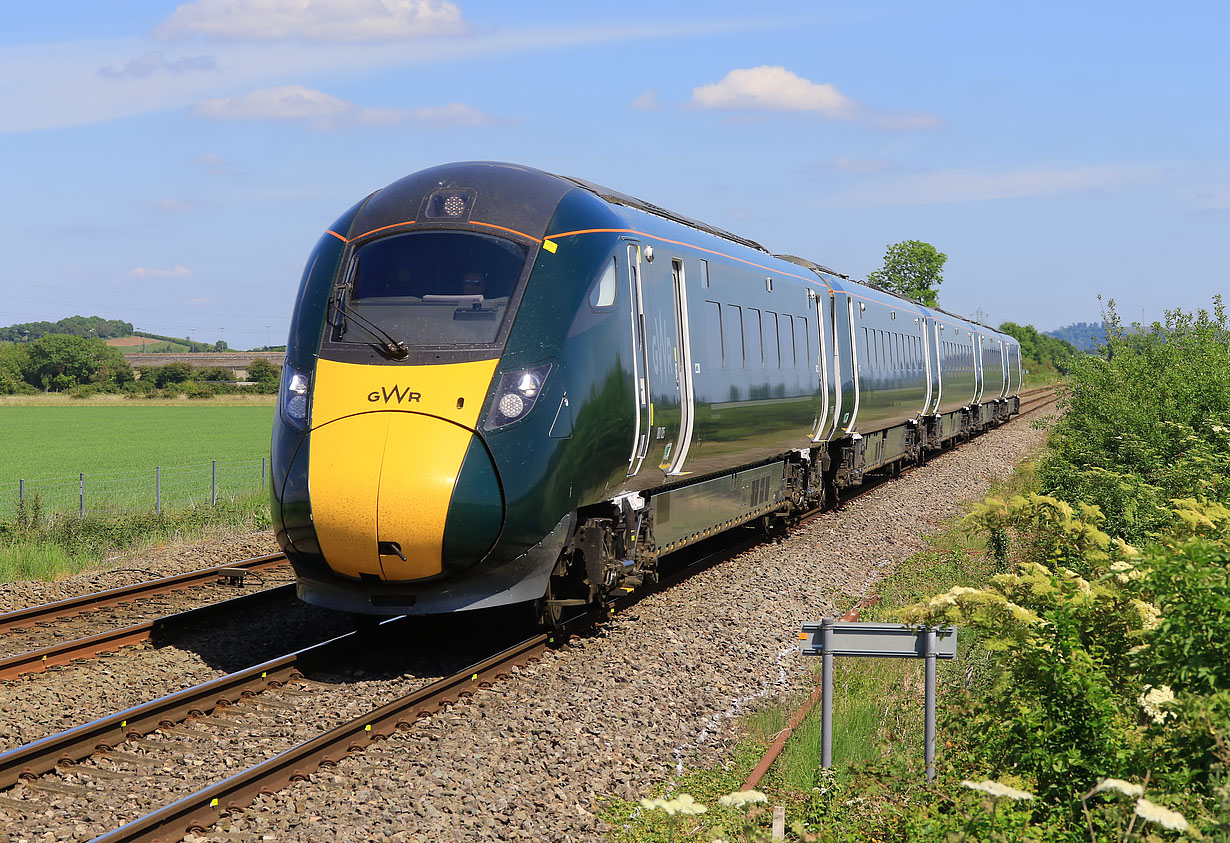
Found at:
(172, 164)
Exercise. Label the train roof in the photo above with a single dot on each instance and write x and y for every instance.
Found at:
(618, 198)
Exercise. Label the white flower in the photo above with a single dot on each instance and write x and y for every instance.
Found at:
(950, 599)
(1152, 700)
(997, 789)
(740, 798)
(1126, 788)
(681, 804)
(1150, 615)
(1162, 816)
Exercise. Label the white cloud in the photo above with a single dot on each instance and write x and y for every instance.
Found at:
(647, 101)
(769, 88)
(955, 186)
(325, 111)
(176, 271)
(314, 20)
(147, 64)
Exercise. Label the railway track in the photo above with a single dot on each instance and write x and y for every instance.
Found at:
(200, 809)
(72, 607)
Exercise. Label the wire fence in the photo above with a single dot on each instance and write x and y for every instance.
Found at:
(155, 490)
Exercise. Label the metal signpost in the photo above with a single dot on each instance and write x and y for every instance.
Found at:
(830, 638)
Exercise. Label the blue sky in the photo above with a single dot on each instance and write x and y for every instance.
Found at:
(172, 164)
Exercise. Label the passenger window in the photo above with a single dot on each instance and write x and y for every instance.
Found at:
(752, 344)
(788, 341)
(602, 295)
(772, 347)
(713, 334)
(803, 348)
(732, 336)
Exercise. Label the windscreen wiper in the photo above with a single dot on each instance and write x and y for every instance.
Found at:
(394, 348)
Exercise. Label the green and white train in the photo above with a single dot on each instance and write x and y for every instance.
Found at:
(506, 386)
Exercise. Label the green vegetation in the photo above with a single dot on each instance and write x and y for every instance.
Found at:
(1045, 358)
(1147, 421)
(86, 367)
(77, 326)
(35, 547)
(912, 269)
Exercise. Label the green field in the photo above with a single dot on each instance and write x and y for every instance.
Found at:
(117, 447)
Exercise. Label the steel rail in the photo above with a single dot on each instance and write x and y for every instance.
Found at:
(36, 661)
(124, 594)
(106, 733)
(202, 809)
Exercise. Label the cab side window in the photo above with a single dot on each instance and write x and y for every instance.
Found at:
(602, 294)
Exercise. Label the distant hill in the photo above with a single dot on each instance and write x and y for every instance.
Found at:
(1084, 336)
(78, 326)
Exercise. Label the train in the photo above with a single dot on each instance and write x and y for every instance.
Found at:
(504, 386)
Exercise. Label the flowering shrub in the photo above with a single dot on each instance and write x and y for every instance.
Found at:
(1110, 659)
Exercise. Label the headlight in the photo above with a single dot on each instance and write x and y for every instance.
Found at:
(293, 397)
(515, 396)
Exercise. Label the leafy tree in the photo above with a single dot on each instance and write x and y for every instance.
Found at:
(265, 374)
(59, 361)
(77, 326)
(912, 269)
(1040, 349)
(176, 372)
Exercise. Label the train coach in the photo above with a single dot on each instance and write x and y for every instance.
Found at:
(504, 386)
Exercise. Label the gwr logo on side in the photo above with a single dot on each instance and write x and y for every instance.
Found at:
(397, 395)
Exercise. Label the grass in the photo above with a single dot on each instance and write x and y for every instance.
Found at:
(117, 445)
(49, 549)
(877, 720)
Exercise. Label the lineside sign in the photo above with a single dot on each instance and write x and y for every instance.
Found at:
(886, 640)
(829, 638)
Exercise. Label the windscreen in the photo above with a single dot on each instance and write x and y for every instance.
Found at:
(432, 288)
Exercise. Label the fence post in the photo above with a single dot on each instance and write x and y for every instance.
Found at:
(262, 472)
(158, 489)
(213, 485)
(82, 506)
(21, 491)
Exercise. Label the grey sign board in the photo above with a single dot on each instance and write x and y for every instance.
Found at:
(892, 640)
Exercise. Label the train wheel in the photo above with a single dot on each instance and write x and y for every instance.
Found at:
(548, 609)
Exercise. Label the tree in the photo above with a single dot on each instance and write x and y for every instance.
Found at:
(912, 269)
(60, 361)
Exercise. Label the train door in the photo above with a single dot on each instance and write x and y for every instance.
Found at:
(683, 370)
(640, 363)
(846, 371)
(827, 367)
(1003, 365)
(662, 356)
(934, 369)
(976, 351)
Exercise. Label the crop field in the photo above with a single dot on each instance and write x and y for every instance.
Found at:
(117, 447)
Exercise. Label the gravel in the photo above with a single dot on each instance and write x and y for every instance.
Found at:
(656, 689)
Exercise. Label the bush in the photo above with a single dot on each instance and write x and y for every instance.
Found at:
(1146, 422)
(199, 390)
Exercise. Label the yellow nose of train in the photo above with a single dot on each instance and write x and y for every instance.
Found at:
(388, 446)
